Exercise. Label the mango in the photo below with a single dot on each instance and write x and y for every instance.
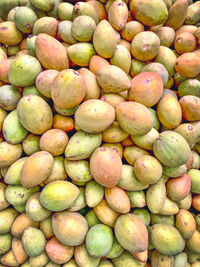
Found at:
(94, 116)
(113, 195)
(158, 259)
(106, 263)
(193, 13)
(31, 176)
(94, 193)
(185, 42)
(35, 210)
(170, 207)
(136, 239)
(190, 107)
(149, 13)
(195, 179)
(57, 252)
(51, 53)
(118, 15)
(189, 87)
(146, 88)
(33, 241)
(40, 260)
(134, 118)
(65, 11)
(156, 197)
(91, 85)
(145, 46)
(128, 180)
(121, 56)
(136, 67)
(18, 251)
(75, 88)
(146, 140)
(185, 223)
(112, 79)
(105, 213)
(166, 239)
(175, 171)
(177, 14)
(147, 169)
(166, 35)
(99, 8)
(91, 218)
(21, 223)
(115, 251)
(78, 170)
(15, 134)
(167, 58)
(137, 199)
(18, 195)
(127, 260)
(9, 153)
(83, 28)
(30, 144)
(23, 70)
(167, 142)
(82, 8)
(46, 25)
(13, 174)
(131, 29)
(180, 259)
(7, 217)
(54, 141)
(62, 222)
(188, 65)
(8, 259)
(9, 34)
(42, 5)
(24, 19)
(58, 195)
(46, 227)
(193, 242)
(102, 159)
(5, 243)
(158, 218)
(104, 39)
(99, 240)
(3, 202)
(186, 202)
(58, 170)
(83, 258)
(32, 119)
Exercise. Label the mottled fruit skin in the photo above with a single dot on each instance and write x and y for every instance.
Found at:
(9, 34)
(33, 241)
(185, 223)
(57, 252)
(149, 13)
(131, 233)
(59, 195)
(105, 39)
(68, 89)
(190, 107)
(94, 116)
(99, 240)
(51, 53)
(36, 169)
(171, 149)
(118, 15)
(106, 166)
(23, 70)
(62, 227)
(146, 88)
(179, 188)
(134, 118)
(166, 239)
(34, 114)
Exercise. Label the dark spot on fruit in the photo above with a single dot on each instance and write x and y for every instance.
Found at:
(28, 26)
(190, 127)
(148, 80)
(103, 149)
(4, 28)
(179, 40)
(55, 216)
(146, 47)
(76, 72)
(120, 4)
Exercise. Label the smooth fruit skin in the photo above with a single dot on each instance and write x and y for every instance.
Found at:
(131, 233)
(171, 149)
(167, 239)
(99, 240)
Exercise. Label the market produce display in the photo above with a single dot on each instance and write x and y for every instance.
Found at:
(100, 133)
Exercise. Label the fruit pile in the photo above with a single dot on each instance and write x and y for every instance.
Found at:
(100, 133)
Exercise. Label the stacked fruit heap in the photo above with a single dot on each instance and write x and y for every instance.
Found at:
(100, 133)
